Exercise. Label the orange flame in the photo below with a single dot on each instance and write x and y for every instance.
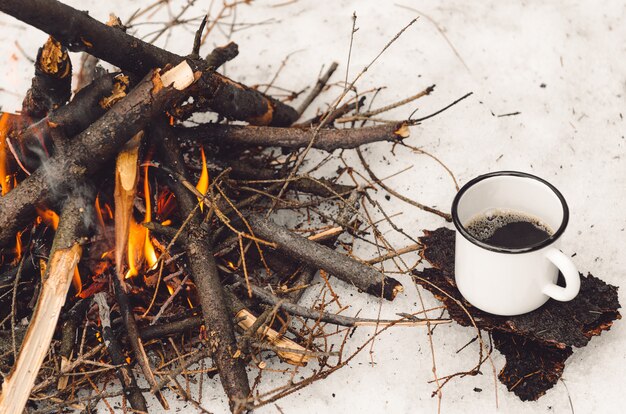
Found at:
(203, 182)
(140, 245)
(5, 177)
(18, 246)
(148, 249)
(99, 212)
(50, 218)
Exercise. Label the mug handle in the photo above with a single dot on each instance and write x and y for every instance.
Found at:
(570, 273)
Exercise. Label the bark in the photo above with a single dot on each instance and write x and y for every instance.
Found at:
(88, 152)
(79, 32)
(537, 344)
(222, 54)
(341, 266)
(36, 144)
(52, 85)
(293, 138)
(211, 294)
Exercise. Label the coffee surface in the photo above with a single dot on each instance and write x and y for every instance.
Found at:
(508, 229)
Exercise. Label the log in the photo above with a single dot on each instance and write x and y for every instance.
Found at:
(36, 143)
(536, 345)
(204, 272)
(341, 266)
(293, 138)
(66, 253)
(79, 32)
(52, 84)
(92, 148)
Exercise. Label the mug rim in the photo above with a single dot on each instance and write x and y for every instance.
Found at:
(461, 229)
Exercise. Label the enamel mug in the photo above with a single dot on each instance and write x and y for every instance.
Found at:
(512, 281)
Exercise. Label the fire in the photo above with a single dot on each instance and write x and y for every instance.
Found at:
(203, 182)
(148, 249)
(99, 212)
(140, 245)
(18, 246)
(51, 219)
(5, 176)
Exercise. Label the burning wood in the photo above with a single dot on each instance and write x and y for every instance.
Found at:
(66, 252)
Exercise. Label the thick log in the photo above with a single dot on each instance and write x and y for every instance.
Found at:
(203, 269)
(79, 32)
(52, 84)
(66, 252)
(92, 148)
(293, 138)
(341, 266)
(536, 344)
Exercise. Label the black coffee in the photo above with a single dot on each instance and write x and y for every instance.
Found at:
(508, 229)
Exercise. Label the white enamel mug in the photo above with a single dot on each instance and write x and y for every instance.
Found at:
(512, 281)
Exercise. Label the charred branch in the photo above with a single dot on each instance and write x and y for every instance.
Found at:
(35, 144)
(52, 84)
(349, 270)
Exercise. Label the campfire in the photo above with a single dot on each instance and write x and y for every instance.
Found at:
(137, 241)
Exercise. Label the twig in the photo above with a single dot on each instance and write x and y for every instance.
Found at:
(319, 87)
(116, 352)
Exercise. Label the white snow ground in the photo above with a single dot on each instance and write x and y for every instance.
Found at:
(562, 65)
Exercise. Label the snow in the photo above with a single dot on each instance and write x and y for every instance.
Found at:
(559, 64)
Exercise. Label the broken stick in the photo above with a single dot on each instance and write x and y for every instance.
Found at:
(52, 83)
(36, 143)
(341, 266)
(293, 138)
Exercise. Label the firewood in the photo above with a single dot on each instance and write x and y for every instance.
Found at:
(52, 83)
(66, 253)
(92, 148)
(225, 96)
(537, 344)
(126, 179)
(220, 331)
(293, 138)
(350, 271)
(36, 143)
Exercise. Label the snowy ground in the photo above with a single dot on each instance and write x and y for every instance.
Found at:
(561, 65)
